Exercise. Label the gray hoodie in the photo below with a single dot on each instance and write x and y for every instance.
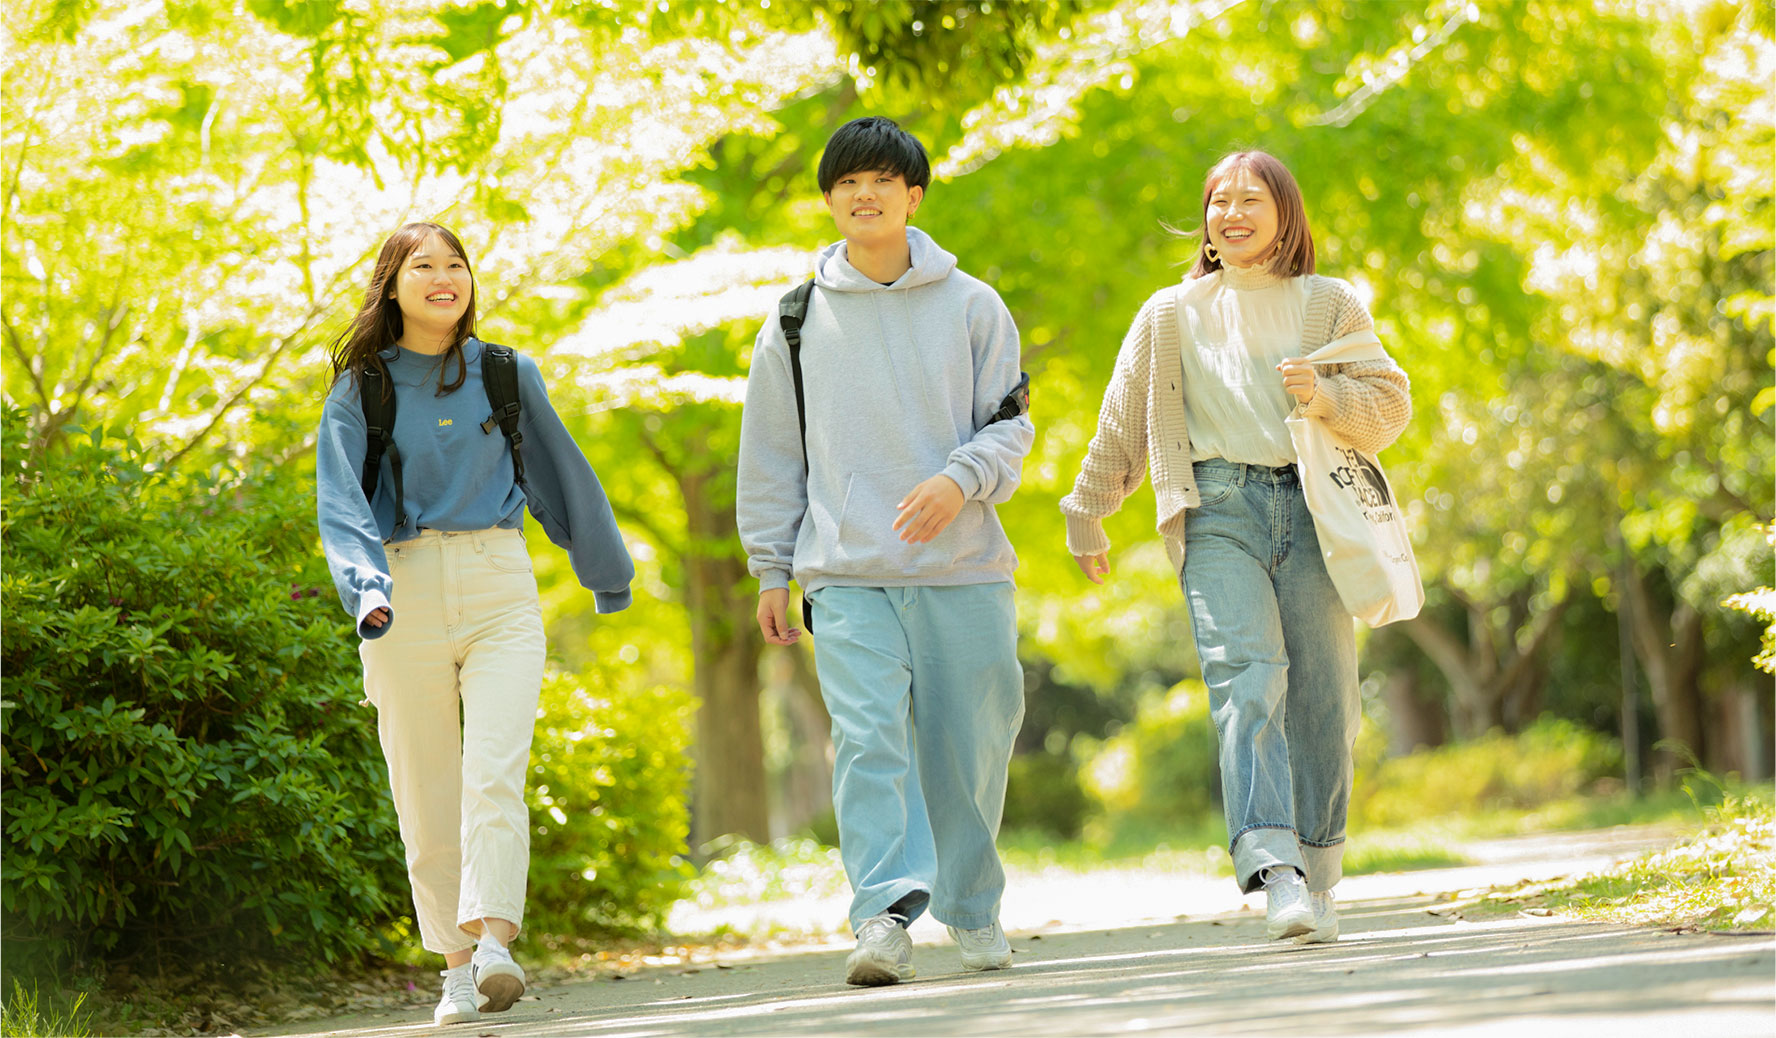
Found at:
(899, 380)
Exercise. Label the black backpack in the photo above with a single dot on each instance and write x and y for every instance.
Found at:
(499, 376)
(792, 310)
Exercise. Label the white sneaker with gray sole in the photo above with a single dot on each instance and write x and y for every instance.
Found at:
(1325, 925)
(884, 953)
(983, 949)
(461, 1003)
(1288, 913)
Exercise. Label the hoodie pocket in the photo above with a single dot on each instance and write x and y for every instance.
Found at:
(866, 525)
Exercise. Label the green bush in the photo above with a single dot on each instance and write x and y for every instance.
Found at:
(1548, 761)
(1043, 794)
(607, 806)
(186, 766)
(1162, 769)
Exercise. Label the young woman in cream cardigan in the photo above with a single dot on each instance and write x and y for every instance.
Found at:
(1206, 377)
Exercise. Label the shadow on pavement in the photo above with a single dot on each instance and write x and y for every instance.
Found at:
(1396, 969)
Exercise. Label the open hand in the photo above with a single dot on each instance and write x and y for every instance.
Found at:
(1095, 567)
(931, 507)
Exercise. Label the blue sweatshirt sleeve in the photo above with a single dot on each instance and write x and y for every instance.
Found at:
(349, 532)
(990, 465)
(565, 496)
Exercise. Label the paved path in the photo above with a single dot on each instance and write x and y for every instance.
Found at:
(1398, 969)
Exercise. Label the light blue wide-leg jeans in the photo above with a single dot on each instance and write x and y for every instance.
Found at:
(926, 696)
(1279, 655)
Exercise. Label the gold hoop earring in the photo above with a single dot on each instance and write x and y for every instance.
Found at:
(1211, 252)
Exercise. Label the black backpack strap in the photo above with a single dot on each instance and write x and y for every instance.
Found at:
(499, 376)
(378, 402)
(792, 310)
(1016, 402)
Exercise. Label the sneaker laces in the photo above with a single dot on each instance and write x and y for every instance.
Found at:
(876, 925)
(459, 985)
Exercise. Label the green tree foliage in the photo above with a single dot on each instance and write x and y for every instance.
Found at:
(187, 767)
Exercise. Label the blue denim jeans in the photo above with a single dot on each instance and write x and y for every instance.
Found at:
(926, 696)
(1279, 655)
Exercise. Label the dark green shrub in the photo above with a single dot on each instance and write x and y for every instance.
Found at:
(607, 805)
(187, 768)
(1043, 794)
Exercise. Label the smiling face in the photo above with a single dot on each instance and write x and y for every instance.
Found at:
(1241, 218)
(871, 207)
(433, 288)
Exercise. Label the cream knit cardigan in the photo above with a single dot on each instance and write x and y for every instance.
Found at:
(1142, 418)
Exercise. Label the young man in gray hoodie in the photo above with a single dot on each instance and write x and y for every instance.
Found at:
(883, 514)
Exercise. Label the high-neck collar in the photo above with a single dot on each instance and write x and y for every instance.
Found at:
(1256, 276)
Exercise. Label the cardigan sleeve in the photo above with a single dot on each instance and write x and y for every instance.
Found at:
(1116, 461)
(1367, 403)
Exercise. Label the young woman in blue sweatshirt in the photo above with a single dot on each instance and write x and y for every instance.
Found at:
(443, 596)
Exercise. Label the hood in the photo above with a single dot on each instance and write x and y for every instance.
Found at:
(835, 273)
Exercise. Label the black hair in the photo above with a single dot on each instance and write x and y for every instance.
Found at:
(873, 143)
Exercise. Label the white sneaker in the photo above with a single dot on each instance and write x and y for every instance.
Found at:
(498, 978)
(460, 1003)
(1325, 927)
(983, 949)
(884, 953)
(1288, 913)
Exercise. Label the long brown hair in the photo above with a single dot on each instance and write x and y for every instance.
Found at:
(1294, 252)
(378, 324)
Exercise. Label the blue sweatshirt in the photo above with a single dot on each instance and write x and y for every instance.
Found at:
(456, 478)
(899, 382)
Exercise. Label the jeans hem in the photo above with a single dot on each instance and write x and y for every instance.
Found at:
(966, 920)
(1325, 865)
(885, 900)
(1260, 847)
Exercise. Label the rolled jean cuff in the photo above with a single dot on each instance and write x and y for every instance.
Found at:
(1264, 847)
(1325, 865)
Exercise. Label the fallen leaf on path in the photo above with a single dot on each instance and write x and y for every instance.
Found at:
(1751, 915)
(1539, 913)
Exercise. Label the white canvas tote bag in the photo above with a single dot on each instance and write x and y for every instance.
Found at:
(1361, 527)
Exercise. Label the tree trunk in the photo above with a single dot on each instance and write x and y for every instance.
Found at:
(1495, 675)
(1418, 720)
(730, 777)
(1669, 647)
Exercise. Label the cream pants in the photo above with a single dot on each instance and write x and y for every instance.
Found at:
(455, 683)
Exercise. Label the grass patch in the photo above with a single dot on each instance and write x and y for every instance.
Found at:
(1398, 852)
(1723, 878)
(25, 1015)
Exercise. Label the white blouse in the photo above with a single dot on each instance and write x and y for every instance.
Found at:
(1234, 327)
